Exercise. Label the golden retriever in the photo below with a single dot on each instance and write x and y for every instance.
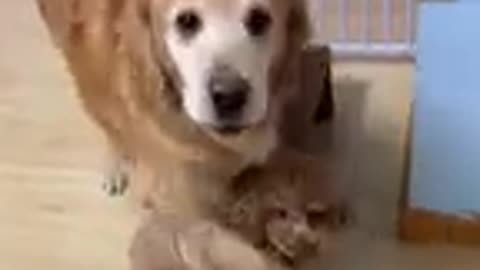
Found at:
(190, 90)
(182, 85)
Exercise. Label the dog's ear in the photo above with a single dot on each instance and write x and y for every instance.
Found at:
(286, 71)
(298, 27)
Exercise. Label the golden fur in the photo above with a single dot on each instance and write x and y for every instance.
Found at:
(128, 88)
(131, 90)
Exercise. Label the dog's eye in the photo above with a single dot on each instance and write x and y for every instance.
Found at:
(188, 23)
(258, 22)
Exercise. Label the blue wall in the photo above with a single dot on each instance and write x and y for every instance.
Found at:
(446, 141)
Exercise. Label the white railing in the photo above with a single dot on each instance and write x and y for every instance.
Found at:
(369, 39)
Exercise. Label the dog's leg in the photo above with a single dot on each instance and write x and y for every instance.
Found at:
(88, 53)
(117, 174)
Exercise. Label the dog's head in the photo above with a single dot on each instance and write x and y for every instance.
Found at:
(228, 56)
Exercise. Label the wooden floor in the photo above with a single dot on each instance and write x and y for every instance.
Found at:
(54, 216)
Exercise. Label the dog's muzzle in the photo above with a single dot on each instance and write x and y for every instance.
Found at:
(229, 93)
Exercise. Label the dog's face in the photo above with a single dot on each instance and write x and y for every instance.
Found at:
(224, 53)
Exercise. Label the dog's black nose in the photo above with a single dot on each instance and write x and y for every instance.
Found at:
(229, 104)
(229, 93)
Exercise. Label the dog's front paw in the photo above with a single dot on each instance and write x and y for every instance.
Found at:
(116, 183)
(117, 178)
